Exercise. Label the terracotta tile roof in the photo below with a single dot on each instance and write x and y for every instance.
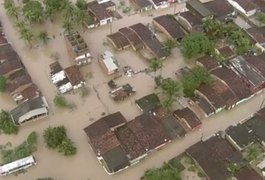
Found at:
(170, 25)
(74, 75)
(148, 131)
(257, 34)
(119, 40)
(247, 5)
(191, 18)
(208, 62)
(226, 52)
(30, 92)
(14, 84)
(129, 142)
(220, 8)
(246, 173)
(188, 116)
(211, 155)
(135, 41)
(233, 81)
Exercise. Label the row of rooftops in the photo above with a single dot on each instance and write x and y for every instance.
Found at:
(234, 82)
(31, 105)
(226, 148)
(120, 143)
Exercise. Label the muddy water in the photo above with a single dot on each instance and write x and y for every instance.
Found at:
(84, 165)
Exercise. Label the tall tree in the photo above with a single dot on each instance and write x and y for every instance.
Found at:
(11, 9)
(154, 65)
(81, 16)
(33, 11)
(169, 44)
(68, 26)
(2, 83)
(27, 35)
(81, 4)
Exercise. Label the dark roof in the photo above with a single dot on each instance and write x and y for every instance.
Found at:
(29, 93)
(260, 4)
(129, 142)
(141, 3)
(18, 82)
(102, 138)
(253, 77)
(99, 11)
(74, 75)
(257, 34)
(55, 68)
(119, 40)
(247, 173)
(188, 116)
(247, 5)
(150, 40)
(261, 113)
(218, 94)
(147, 103)
(191, 18)
(200, 8)
(226, 52)
(257, 62)
(148, 131)
(158, 2)
(208, 62)
(172, 127)
(220, 8)
(169, 23)
(233, 81)
(257, 124)
(3, 39)
(134, 40)
(211, 156)
(26, 107)
(122, 92)
(115, 159)
(204, 105)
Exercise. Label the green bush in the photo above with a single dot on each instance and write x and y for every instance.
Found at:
(6, 124)
(60, 101)
(2, 83)
(67, 147)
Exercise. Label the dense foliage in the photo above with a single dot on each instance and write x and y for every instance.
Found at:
(163, 173)
(193, 80)
(195, 44)
(33, 11)
(6, 124)
(60, 101)
(2, 83)
(56, 138)
(23, 150)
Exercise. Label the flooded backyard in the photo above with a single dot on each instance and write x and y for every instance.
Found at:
(84, 165)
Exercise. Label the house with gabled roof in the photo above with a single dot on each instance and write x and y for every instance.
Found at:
(169, 26)
(257, 34)
(74, 76)
(245, 7)
(148, 103)
(208, 62)
(108, 63)
(189, 21)
(160, 4)
(199, 9)
(257, 62)
(254, 80)
(77, 48)
(133, 38)
(31, 110)
(118, 40)
(141, 5)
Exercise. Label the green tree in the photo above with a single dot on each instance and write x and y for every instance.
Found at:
(68, 26)
(32, 138)
(11, 9)
(261, 17)
(240, 41)
(81, 4)
(27, 35)
(163, 173)
(193, 80)
(44, 37)
(60, 101)
(2, 83)
(33, 11)
(169, 44)
(67, 147)
(6, 124)
(53, 6)
(212, 28)
(81, 16)
(54, 136)
(253, 152)
(154, 65)
(196, 44)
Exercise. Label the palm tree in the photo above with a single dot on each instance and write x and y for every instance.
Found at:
(11, 9)
(81, 17)
(68, 26)
(27, 35)
(154, 65)
(44, 37)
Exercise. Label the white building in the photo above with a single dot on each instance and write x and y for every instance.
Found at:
(109, 63)
(245, 7)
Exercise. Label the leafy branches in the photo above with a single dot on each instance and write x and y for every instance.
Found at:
(6, 124)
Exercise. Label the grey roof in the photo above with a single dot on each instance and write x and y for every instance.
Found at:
(115, 159)
(142, 3)
(26, 107)
(199, 7)
(147, 103)
(242, 66)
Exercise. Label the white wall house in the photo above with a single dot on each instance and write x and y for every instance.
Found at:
(160, 4)
(109, 63)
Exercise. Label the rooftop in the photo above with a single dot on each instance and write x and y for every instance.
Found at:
(258, 62)
(200, 8)
(247, 5)
(134, 40)
(233, 81)
(247, 173)
(204, 105)
(142, 3)
(220, 13)
(119, 40)
(191, 18)
(188, 116)
(211, 155)
(99, 11)
(74, 75)
(208, 62)
(252, 76)
(257, 34)
(226, 52)
(169, 23)
(147, 103)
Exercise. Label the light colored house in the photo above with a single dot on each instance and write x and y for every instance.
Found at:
(30, 110)
(102, 1)
(160, 4)
(245, 7)
(108, 63)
